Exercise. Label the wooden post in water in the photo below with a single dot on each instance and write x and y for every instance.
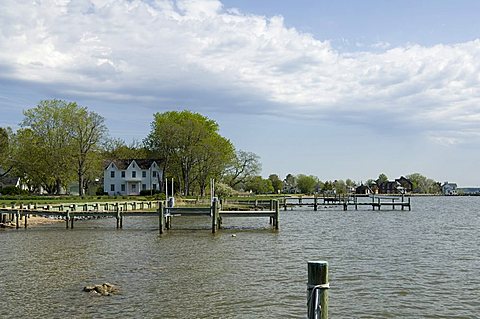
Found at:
(214, 216)
(272, 207)
(26, 218)
(315, 202)
(17, 218)
(117, 216)
(317, 285)
(160, 217)
(277, 214)
(67, 217)
(72, 218)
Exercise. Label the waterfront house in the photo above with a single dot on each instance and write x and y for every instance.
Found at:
(130, 177)
(363, 190)
(398, 186)
(449, 188)
(406, 184)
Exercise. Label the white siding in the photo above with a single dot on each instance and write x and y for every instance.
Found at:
(133, 179)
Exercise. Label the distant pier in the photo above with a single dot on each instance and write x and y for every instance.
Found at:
(375, 202)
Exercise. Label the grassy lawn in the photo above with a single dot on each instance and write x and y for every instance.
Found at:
(8, 200)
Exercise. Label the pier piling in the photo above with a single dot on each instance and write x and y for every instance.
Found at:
(317, 287)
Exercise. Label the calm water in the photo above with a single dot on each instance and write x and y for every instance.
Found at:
(388, 264)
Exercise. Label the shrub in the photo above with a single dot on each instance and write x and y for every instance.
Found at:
(12, 190)
(149, 192)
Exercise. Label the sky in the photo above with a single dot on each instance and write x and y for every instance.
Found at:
(336, 89)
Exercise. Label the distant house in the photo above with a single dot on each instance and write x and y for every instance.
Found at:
(406, 184)
(398, 186)
(129, 177)
(449, 188)
(363, 189)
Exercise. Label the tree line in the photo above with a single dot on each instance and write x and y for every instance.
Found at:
(61, 142)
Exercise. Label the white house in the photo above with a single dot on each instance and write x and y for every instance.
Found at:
(449, 188)
(129, 177)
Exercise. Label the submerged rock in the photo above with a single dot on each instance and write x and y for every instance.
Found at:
(105, 289)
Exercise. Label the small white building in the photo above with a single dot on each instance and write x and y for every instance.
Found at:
(449, 188)
(130, 177)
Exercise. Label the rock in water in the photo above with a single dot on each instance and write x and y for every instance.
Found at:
(105, 289)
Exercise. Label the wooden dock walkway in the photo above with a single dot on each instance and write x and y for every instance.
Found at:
(73, 212)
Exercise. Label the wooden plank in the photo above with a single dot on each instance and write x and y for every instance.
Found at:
(245, 213)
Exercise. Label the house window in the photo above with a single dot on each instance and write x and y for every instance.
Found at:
(154, 186)
(154, 173)
(112, 174)
(112, 187)
(123, 174)
(134, 187)
(144, 187)
(144, 174)
(134, 174)
(123, 187)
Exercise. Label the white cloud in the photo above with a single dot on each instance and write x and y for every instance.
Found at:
(200, 52)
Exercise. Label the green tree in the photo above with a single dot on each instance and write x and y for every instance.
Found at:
(88, 130)
(424, 185)
(5, 145)
(306, 184)
(182, 140)
(243, 166)
(340, 187)
(382, 178)
(65, 139)
(114, 148)
(258, 185)
(214, 152)
(327, 186)
(276, 183)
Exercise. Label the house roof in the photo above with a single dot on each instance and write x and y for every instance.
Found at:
(8, 180)
(124, 163)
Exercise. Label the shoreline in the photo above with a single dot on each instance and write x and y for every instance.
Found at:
(33, 221)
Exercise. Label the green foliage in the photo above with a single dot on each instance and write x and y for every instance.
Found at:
(306, 184)
(223, 190)
(276, 183)
(58, 142)
(340, 187)
(12, 190)
(150, 192)
(117, 149)
(190, 146)
(258, 185)
(382, 178)
(424, 185)
(4, 142)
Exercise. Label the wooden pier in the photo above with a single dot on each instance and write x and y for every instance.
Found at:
(70, 213)
(375, 202)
